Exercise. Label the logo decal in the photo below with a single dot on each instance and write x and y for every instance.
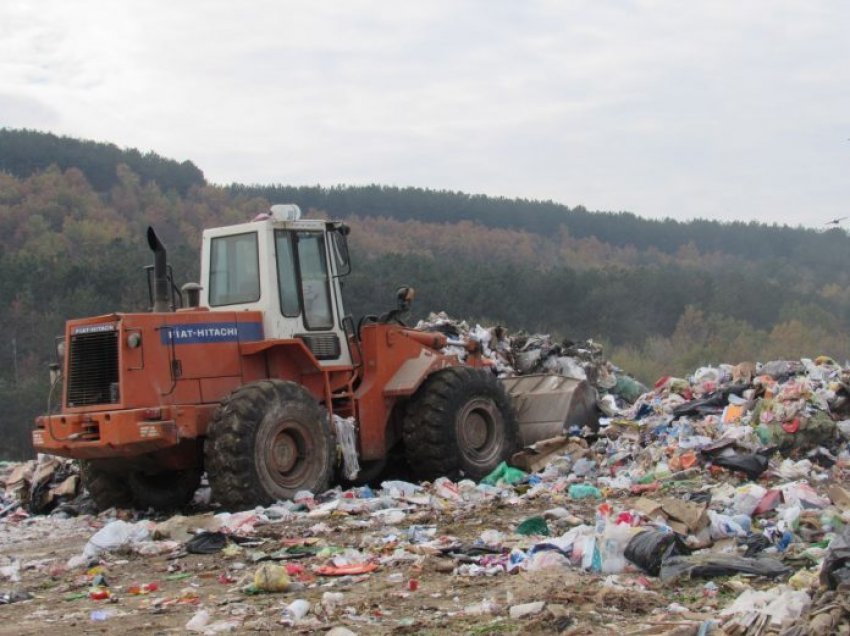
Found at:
(204, 333)
(95, 328)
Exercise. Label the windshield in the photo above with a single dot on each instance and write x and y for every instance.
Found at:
(315, 287)
(303, 253)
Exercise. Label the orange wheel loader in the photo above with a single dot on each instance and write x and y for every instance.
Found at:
(245, 375)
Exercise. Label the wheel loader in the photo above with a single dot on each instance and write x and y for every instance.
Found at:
(243, 376)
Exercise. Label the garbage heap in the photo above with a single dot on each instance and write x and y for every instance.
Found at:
(714, 504)
(522, 354)
(40, 485)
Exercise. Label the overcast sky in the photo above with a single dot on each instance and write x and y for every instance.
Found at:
(722, 110)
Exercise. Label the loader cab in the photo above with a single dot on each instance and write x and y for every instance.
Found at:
(288, 268)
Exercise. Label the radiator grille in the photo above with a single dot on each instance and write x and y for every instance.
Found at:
(93, 369)
(325, 346)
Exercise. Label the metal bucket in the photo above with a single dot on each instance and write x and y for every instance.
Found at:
(549, 405)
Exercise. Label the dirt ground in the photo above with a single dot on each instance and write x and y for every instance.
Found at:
(410, 593)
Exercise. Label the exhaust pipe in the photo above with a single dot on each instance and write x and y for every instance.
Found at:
(160, 273)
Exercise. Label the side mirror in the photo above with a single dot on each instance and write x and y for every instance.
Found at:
(339, 245)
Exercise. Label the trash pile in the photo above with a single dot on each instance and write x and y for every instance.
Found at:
(714, 504)
(524, 354)
(40, 486)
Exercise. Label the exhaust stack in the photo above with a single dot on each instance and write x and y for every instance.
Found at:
(160, 273)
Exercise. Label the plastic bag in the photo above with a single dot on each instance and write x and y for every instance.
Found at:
(447, 489)
(584, 491)
(835, 570)
(747, 498)
(346, 438)
(799, 493)
(628, 388)
(584, 467)
(650, 548)
(723, 526)
(115, 535)
(504, 473)
(591, 558)
(780, 604)
(755, 543)
(206, 543)
(271, 578)
(750, 464)
(713, 565)
(398, 489)
(533, 525)
(545, 560)
(614, 541)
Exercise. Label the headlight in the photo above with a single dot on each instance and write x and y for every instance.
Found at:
(60, 348)
(134, 340)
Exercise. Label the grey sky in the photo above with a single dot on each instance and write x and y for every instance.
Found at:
(724, 110)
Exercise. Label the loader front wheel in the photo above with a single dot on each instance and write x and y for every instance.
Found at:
(459, 422)
(107, 489)
(267, 441)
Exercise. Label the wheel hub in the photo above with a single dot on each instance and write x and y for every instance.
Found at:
(477, 426)
(284, 453)
(476, 430)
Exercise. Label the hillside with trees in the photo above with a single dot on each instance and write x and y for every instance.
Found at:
(664, 296)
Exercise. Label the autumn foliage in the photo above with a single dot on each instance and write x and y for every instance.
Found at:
(666, 297)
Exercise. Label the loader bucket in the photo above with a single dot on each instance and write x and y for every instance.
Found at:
(549, 405)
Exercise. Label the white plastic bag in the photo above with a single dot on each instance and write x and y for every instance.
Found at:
(614, 541)
(747, 498)
(116, 535)
(723, 526)
(346, 439)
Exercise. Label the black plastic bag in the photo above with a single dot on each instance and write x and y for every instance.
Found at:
(206, 543)
(712, 403)
(835, 570)
(698, 497)
(755, 542)
(710, 565)
(649, 548)
(751, 464)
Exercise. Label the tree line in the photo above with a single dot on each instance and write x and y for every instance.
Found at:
(73, 246)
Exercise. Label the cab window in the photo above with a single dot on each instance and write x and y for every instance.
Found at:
(287, 279)
(315, 286)
(234, 270)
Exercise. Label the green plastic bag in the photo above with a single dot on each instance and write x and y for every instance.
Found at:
(533, 525)
(504, 473)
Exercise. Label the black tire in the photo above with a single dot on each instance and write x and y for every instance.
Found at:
(459, 423)
(168, 490)
(107, 489)
(267, 441)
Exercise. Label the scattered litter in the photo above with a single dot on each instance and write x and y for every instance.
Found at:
(716, 501)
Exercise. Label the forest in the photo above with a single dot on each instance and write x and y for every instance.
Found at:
(663, 296)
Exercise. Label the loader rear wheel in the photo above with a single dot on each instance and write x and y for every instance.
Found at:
(267, 441)
(107, 489)
(459, 422)
(164, 491)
